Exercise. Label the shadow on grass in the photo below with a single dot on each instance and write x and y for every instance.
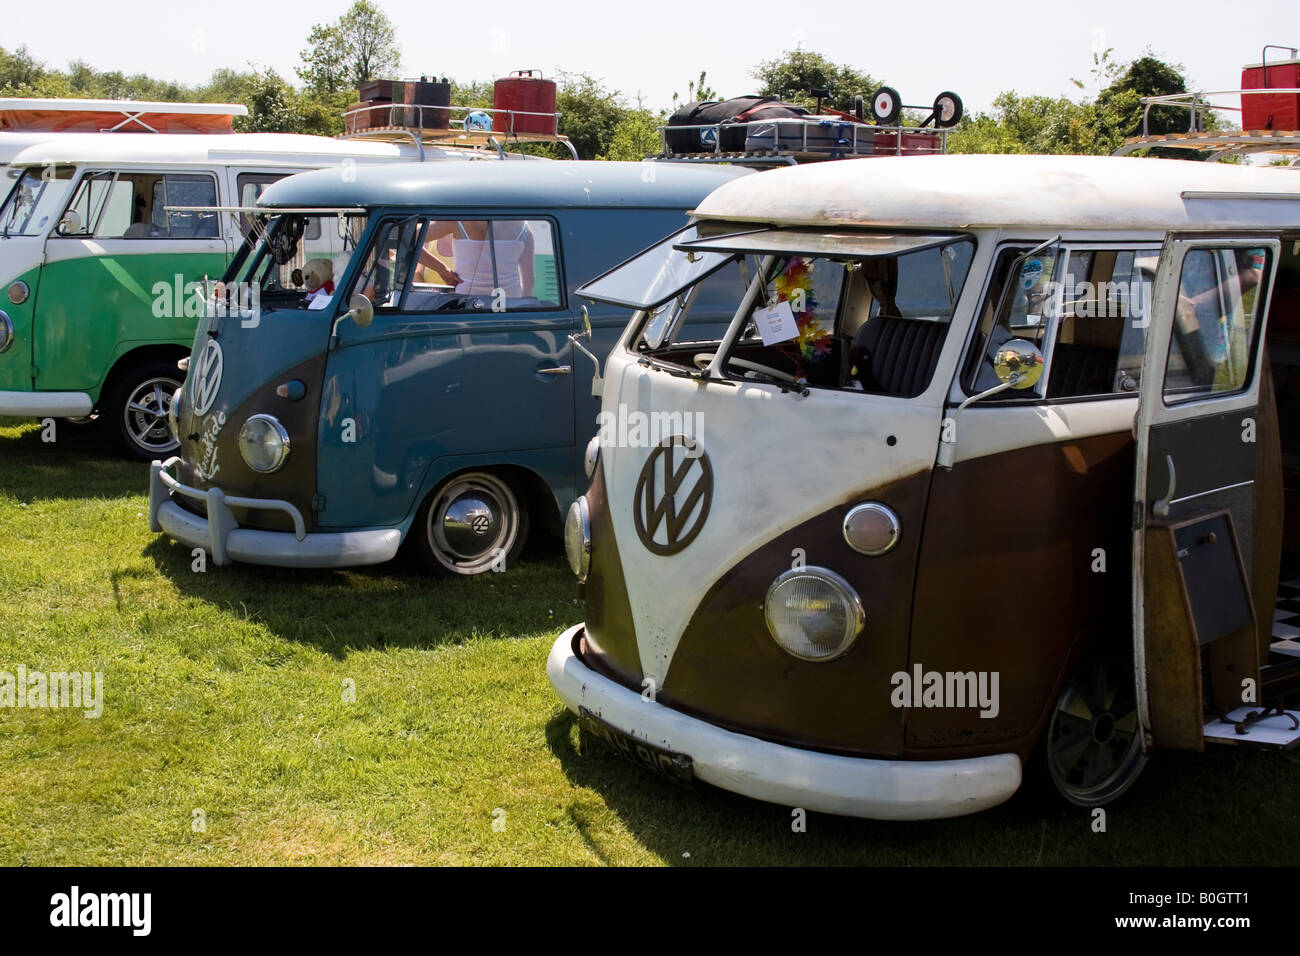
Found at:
(394, 605)
(1223, 807)
(82, 462)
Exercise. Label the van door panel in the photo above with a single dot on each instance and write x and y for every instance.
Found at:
(1196, 501)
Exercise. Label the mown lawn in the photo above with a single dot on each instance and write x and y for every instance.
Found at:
(225, 693)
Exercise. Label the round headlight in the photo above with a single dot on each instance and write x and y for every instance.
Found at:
(577, 538)
(174, 413)
(18, 292)
(813, 613)
(6, 332)
(591, 456)
(264, 444)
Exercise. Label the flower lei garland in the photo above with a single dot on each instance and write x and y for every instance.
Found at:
(792, 284)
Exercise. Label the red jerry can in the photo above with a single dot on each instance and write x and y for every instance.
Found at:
(525, 96)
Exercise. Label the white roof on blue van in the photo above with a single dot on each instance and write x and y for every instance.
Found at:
(564, 183)
(971, 191)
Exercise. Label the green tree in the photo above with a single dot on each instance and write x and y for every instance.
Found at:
(696, 91)
(637, 135)
(360, 47)
(798, 71)
(589, 113)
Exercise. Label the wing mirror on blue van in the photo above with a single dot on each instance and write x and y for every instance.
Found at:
(597, 383)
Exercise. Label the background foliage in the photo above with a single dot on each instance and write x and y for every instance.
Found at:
(602, 122)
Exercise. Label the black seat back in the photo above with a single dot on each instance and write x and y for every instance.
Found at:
(897, 356)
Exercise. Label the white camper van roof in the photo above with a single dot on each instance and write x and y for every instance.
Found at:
(972, 191)
(269, 149)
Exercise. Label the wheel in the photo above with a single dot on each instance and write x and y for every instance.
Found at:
(1093, 748)
(886, 106)
(470, 524)
(859, 109)
(704, 359)
(138, 401)
(947, 110)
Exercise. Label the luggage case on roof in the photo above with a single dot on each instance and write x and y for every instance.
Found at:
(740, 109)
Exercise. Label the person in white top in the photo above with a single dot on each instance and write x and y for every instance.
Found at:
(483, 266)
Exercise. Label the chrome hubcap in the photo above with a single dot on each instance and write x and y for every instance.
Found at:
(473, 523)
(1094, 743)
(145, 414)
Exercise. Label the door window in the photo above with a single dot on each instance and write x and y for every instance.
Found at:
(455, 266)
(1085, 308)
(135, 205)
(1215, 319)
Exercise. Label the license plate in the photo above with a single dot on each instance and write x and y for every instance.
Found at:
(676, 767)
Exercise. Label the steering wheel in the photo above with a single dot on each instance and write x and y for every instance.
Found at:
(704, 359)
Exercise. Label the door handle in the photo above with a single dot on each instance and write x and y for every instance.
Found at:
(558, 370)
(1160, 507)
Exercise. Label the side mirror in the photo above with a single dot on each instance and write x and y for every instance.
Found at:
(360, 310)
(1018, 364)
(70, 223)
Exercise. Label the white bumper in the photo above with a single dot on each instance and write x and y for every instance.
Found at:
(849, 786)
(42, 404)
(221, 536)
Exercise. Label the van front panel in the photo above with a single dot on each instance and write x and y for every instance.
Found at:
(785, 470)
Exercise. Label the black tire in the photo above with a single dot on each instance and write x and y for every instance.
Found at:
(1092, 747)
(469, 523)
(947, 110)
(136, 403)
(886, 106)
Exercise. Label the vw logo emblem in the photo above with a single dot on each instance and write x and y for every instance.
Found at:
(480, 523)
(207, 377)
(673, 494)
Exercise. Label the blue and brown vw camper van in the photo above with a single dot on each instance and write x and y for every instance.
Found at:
(400, 354)
(984, 471)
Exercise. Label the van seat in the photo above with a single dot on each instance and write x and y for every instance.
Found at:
(897, 356)
(1081, 370)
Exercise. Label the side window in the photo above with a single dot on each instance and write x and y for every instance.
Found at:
(250, 187)
(1101, 334)
(136, 207)
(1214, 324)
(1085, 310)
(453, 266)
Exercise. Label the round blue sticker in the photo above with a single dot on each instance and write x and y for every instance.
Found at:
(1030, 273)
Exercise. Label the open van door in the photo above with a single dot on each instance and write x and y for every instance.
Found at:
(1196, 652)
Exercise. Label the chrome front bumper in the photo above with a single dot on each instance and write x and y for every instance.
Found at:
(221, 536)
(828, 783)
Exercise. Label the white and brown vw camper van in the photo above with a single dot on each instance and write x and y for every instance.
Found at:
(917, 475)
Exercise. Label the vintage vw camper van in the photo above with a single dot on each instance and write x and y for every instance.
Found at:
(984, 477)
(437, 387)
(101, 280)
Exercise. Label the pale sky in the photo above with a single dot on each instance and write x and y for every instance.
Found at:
(652, 49)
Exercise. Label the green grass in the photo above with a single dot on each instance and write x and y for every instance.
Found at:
(224, 692)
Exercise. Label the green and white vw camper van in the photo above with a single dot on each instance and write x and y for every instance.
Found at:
(101, 277)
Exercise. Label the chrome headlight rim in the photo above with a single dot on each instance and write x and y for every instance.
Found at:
(18, 292)
(276, 429)
(577, 538)
(838, 583)
(878, 509)
(6, 331)
(591, 456)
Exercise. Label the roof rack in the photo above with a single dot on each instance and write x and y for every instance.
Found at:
(428, 125)
(834, 138)
(22, 114)
(1233, 142)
